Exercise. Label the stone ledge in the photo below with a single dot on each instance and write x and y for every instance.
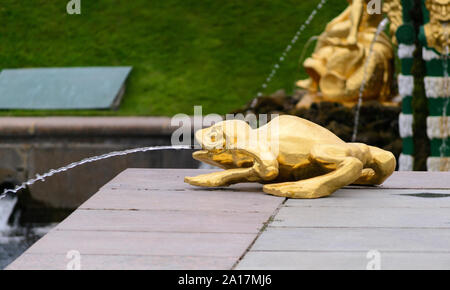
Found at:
(34, 145)
(85, 126)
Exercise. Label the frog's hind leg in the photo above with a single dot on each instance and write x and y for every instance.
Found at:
(345, 169)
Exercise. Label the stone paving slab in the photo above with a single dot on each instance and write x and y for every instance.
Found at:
(214, 200)
(319, 217)
(166, 221)
(151, 219)
(342, 260)
(136, 179)
(143, 243)
(418, 180)
(408, 225)
(353, 239)
(120, 262)
(379, 198)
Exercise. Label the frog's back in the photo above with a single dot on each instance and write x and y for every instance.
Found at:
(294, 139)
(296, 129)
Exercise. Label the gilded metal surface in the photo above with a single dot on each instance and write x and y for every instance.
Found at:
(336, 68)
(293, 157)
(437, 30)
(394, 11)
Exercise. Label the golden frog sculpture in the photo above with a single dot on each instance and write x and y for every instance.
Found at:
(292, 156)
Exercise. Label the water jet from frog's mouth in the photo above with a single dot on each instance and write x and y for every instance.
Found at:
(380, 29)
(90, 160)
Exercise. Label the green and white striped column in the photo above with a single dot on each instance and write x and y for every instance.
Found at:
(405, 88)
(406, 37)
(438, 123)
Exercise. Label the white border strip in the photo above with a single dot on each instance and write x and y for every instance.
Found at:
(435, 87)
(428, 54)
(405, 85)
(406, 51)
(438, 163)
(405, 162)
(405, 125)
(438, 127)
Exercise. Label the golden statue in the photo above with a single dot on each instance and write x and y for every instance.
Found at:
(394, 11)
(337, 66)
(295, 157)
(437, 31)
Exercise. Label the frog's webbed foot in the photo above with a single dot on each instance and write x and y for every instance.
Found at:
(367, 177)
(205, 180)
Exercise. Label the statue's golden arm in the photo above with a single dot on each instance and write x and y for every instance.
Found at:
(345, 15)
(356, 14)
(394, 11)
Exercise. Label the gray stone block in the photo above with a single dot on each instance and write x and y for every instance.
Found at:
(379, 198)
(339, 217)
(418, 180)
(120, 262)
(200, 200)
(165, 221)
(143, 243)
(342, 261)
(353, 239)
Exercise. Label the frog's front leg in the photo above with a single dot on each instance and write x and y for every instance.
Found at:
(224, 178)
(265, 168)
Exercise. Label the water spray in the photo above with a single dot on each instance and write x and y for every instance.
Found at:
(306, 46)
(289, 46)
(52, 172)
(381, 27)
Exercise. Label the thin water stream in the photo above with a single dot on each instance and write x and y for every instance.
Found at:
(289, 47)
(52, 172)
(381, 27)
(14, 240)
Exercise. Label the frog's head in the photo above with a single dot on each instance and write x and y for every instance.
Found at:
(220, 139)
(211, 139)
(233, 143)
(223, 136)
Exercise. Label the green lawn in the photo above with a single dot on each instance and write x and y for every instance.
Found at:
(214, 53)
